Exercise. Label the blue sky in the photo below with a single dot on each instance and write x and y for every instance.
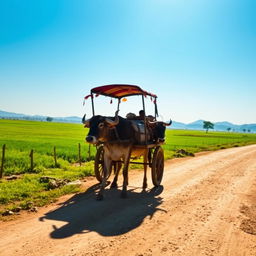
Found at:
(198, 56)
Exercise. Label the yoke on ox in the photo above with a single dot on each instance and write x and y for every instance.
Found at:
(120, 139)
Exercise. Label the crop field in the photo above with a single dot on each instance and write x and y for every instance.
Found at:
(197, 141)
(20, 137)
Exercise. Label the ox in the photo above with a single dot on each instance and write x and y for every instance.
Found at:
(118, 137)
(158, 130)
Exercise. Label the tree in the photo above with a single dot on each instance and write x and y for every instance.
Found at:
(248, 130)
(49, 119)
(244, 130)
(228, 129)
(208, 125)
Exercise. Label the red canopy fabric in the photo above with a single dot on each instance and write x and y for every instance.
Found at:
(120, 90)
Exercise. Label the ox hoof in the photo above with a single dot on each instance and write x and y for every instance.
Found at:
(99, 197)
(145, 186)
(123, 194)
(144, 190)
(113, 185)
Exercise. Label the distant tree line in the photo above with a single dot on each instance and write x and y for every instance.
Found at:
(28, 118)
(209, 125)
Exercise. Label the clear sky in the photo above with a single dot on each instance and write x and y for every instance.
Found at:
(198, 56)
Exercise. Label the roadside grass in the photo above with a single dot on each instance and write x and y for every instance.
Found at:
(22, 136)
(29, 191)
(18, 162)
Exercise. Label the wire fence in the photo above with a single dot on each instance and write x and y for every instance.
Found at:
(28, 161)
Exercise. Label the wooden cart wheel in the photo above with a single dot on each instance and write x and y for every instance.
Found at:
(157, 166)
(99, 164)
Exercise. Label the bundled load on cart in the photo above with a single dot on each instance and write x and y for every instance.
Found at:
(120, 139)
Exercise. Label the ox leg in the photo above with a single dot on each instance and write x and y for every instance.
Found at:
(145, 158)
(107, 166)
(125, 174)
(117, 167)
(150, 157)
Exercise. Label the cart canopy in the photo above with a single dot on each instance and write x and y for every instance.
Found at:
(120, 90)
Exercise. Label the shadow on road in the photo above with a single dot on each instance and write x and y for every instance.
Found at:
(111, 217)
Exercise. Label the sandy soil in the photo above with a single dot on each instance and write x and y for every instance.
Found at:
(206, 206)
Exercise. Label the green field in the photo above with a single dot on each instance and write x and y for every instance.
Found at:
(197, 141)
(20, 137)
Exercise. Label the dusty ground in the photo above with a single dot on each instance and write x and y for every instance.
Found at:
(206, 206)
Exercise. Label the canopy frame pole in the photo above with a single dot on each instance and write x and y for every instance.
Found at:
(93, 111)
(156, 110)
(145, 124)
(118, 104)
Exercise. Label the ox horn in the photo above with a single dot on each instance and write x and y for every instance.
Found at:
(167, 124)
(111, 122)
(160, 122)
(86, 122)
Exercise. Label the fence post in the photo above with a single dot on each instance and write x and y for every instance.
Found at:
(55, 156)
(31, 159)
(2, 164)
(79, 153)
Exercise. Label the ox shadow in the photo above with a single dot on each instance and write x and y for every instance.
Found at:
(111, 217)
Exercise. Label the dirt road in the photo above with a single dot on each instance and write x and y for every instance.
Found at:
(206, 206)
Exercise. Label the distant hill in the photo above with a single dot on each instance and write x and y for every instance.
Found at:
(197, 125)
(218, 126)
(178, 125)
(10, 115)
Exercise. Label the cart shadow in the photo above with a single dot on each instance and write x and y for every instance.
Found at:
(111, 217)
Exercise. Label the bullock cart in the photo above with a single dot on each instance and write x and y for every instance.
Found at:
(149, 141)
(155, 161)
